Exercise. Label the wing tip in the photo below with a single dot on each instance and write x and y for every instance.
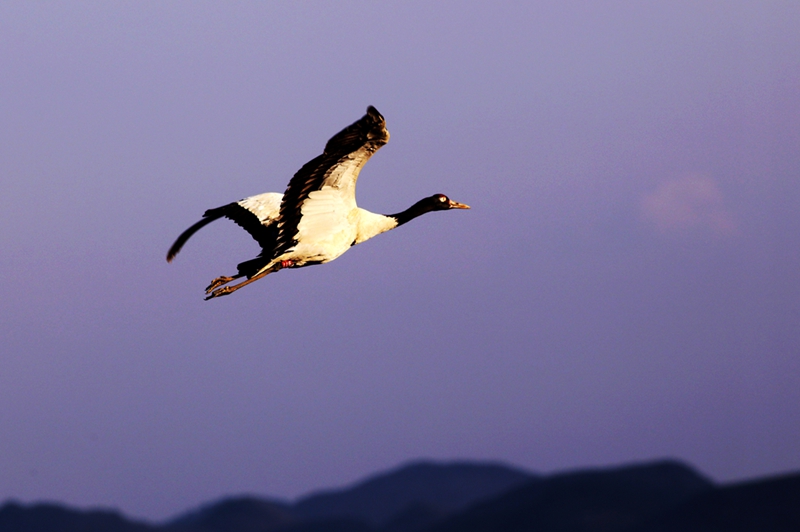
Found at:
(173, 251)
(374, 116)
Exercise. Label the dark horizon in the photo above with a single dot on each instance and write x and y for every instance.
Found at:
(433, 496)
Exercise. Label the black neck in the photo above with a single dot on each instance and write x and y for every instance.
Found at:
(418, 209)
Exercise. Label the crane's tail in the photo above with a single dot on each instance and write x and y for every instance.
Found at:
(209, 216)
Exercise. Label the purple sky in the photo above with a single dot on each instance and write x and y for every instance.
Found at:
(625, 287)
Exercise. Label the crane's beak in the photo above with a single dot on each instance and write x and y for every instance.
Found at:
(456, 205)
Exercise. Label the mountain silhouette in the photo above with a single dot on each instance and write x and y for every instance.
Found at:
(243, 514)
(48, 517)
(441, 488)
(594, 500)
(769, 505)
(663, 496)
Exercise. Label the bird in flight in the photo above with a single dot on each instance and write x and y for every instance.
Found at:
(316, 219)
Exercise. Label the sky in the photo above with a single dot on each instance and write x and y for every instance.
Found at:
(626, 286)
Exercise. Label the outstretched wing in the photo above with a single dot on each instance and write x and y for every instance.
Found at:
(256, 215)
(334, 175)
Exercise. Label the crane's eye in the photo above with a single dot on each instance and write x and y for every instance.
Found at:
(442, 199)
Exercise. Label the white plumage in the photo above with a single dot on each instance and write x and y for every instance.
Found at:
(316, 219)
(265, 206)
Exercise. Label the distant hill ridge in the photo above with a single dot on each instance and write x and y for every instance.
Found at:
(445, 486)
(663, 496)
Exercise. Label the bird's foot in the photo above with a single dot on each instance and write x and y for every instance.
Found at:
(215, 289)
(219, 281)
(287, 264)
(219, 292)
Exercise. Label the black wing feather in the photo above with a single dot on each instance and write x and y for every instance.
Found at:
(181, 240)
(265, 235)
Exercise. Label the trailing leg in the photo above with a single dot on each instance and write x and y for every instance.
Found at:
(225, 290)
(221, 280)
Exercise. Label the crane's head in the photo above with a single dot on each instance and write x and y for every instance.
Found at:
(440, 202)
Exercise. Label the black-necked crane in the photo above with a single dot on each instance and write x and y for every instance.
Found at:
(316, 219)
